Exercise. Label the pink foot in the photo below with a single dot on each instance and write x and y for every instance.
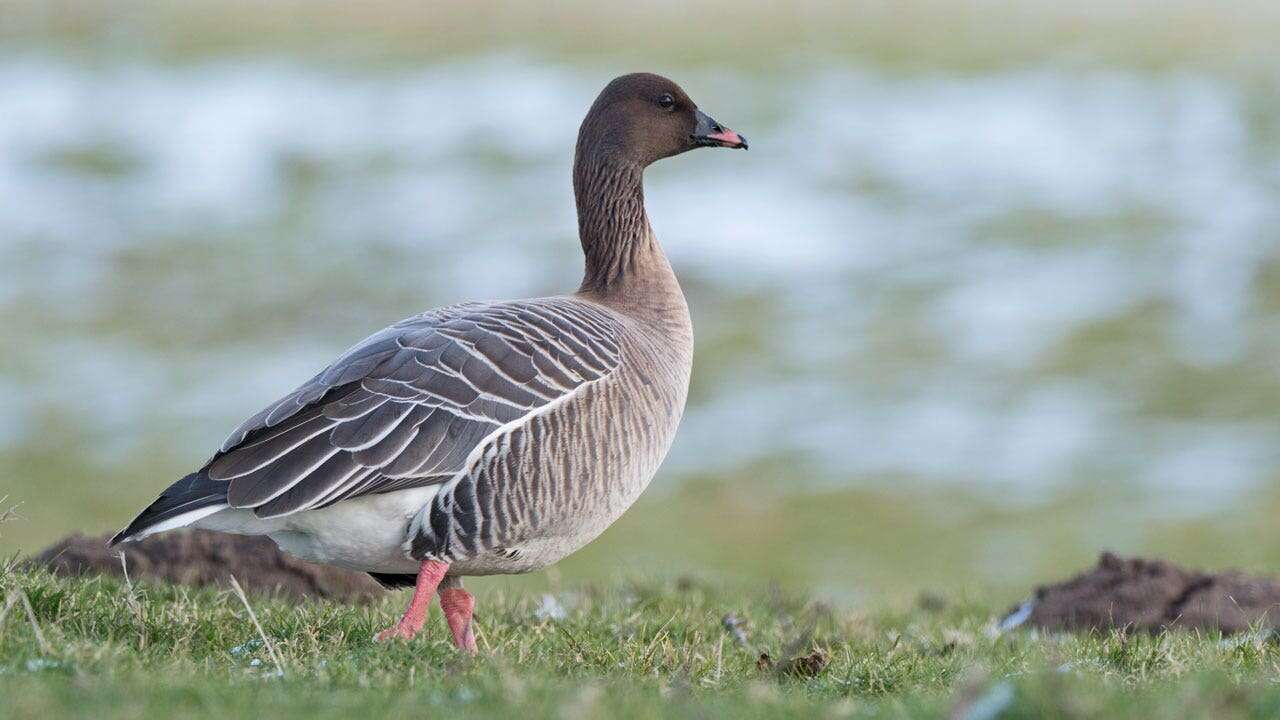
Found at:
(458, 604)
(429, 576)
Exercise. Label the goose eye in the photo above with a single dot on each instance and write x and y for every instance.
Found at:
(666, 102)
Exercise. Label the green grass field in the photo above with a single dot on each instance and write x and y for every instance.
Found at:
(637, 649)
(842, 572)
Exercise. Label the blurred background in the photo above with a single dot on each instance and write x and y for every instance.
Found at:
(996, 287)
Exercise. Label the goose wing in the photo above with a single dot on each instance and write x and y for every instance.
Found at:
(406, 406)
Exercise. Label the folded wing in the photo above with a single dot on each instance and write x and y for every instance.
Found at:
(404, 408)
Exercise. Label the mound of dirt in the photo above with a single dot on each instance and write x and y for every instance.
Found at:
(200, 558)
(1151, 595)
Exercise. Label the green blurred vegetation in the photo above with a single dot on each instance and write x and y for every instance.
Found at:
(909, 34)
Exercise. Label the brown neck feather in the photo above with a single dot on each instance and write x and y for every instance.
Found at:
(612, 224)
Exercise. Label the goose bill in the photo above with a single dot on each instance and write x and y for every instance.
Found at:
(709, 133)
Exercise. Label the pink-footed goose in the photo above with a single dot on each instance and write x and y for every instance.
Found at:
(482, 438)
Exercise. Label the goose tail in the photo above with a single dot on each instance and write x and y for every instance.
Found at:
(193, 497)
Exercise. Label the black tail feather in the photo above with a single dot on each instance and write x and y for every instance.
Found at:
(192, 492)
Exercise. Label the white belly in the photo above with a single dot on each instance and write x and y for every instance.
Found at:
(366, 533)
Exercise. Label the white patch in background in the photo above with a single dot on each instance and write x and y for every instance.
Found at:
(904, 336)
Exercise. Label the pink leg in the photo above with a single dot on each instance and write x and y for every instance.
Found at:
(429, 577)
(458, 605)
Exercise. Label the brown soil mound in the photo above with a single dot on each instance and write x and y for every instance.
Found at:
(1152, 595)
(200, 558)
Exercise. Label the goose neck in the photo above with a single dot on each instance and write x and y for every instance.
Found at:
(617, 239)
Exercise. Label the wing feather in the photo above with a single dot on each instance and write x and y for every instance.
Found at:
(407, 406)
(413, 460)
(329, 476)
(268, 448)
(271, 480)
(369, 429)
(393, 443)
(356, 404)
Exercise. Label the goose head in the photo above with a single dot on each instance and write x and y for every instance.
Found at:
(641, 118)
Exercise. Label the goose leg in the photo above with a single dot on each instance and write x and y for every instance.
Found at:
(458, 605)
(430, 574)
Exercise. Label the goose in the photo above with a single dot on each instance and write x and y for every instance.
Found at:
(486, 437)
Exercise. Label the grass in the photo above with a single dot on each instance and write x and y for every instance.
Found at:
(649, 648)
